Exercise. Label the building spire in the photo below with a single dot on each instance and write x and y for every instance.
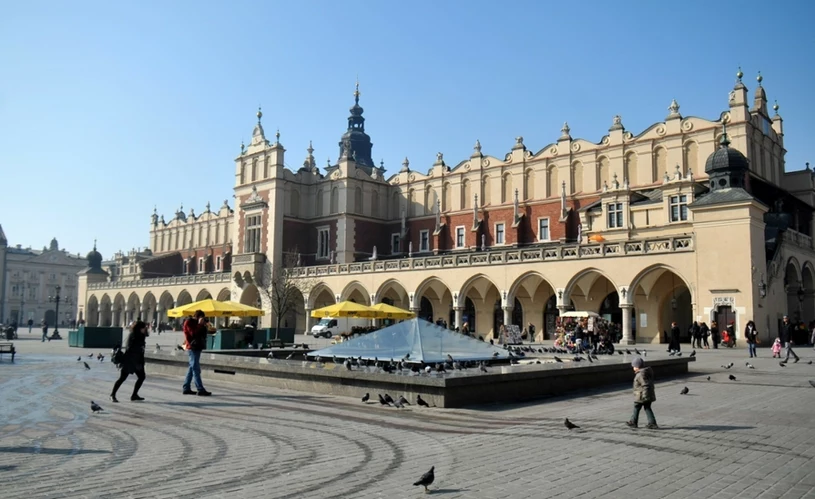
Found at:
(724, 141)
(260, 114)
(356, 92)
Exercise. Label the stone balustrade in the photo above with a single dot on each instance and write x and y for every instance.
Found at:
(221, 277)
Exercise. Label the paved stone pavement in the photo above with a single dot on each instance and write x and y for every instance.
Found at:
(749, 438)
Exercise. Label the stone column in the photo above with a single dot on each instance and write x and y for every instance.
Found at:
(458, 311)
(507, 316)
(627, 339)
(98, 319)
(309, 321)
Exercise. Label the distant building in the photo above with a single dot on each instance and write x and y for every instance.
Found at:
(691, 219)
(29, 277)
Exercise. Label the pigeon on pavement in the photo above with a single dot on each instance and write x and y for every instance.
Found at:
(366, 398)
(95, 407)
(421, 402)
(86, 365)
(426, 479)
(568, 424)
(684, 391)
(732, 378)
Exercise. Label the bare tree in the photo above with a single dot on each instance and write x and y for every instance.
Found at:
(283, 288)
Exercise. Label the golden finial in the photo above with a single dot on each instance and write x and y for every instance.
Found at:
(356, 91)
(759, 78)
(739, 75)
(260, 114)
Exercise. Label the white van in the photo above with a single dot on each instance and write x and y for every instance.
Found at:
(330, 326)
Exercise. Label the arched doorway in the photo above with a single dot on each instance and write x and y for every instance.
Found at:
(203, 295)
(482, 294)
(150, 309)
(224, 295)
(792, 285)
(808, 285)
(468, 314)
(435, 301)
(92, 312)
(50, 318)
(133, 309)
(660, 296)
(393, 293)
(355, 292)
(119, 311)
(532, 297)
(106, 312)
(426, 310)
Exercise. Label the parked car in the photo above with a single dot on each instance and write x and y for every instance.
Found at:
(330, 326)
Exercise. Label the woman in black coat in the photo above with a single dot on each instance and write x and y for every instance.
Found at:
(133, 362)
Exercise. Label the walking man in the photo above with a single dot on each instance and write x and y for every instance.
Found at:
(673, 345)
(785, 334)
(195, 339)
(44, 331)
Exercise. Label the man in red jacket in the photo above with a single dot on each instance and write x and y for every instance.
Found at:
(195, 340)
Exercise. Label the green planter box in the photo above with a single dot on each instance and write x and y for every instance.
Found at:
(95, 337)
(285, 334)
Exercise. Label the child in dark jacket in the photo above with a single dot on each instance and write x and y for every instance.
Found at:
(644, 393)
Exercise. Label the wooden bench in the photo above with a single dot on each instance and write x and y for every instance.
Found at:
(8, 348)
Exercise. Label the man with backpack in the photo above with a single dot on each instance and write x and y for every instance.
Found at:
(195, 341)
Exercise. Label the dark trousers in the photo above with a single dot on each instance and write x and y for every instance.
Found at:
(674, 345)
(122, 377)
(704, 338)
(648, 412)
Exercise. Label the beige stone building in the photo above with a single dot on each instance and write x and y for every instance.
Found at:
(28, 281)
(690, 219)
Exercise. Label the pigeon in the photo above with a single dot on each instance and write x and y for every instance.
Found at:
(398, 404)
(101, 358)
(684, 391)
(421, 402)
(426, 479)
(158, 347)
(87, 366)
(95, 407)
(708, 378)
(812, 383)
(557, 359)
(366, 398)
(732, 378)
(79, 359)
(388, 399)
(568, 424)
(692, 354)
(810, 362)
(483, 369)
(383, 401)
(179, 347)
(750, 366)
(403, 400)
(90, 356)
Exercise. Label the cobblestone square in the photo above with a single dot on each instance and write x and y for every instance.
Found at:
(749, 438)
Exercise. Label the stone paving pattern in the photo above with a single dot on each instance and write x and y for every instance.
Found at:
(750, 438)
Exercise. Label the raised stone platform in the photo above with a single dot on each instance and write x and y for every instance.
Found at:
(456, 389)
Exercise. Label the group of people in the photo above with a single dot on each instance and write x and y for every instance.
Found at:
(131, 360)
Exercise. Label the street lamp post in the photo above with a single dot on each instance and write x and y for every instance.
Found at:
(56, 299)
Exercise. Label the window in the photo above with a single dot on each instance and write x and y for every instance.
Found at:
(200, 265)
(218, 263)
(186, 266)
(52, 277)
(615, 215)
(395, 244)
(499, 233)
(424, 240)
(679, 208)
(252, 244)
(322, 242)
(459, 237)
(543, 229)
(15, 291)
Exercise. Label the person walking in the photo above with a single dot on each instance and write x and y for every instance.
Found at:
(704, 332)
(751, 337)
(44, 331)
(644, 394)
(673, 345)
(195, 338)
(714, 334)
(785, 334)
(133, 360)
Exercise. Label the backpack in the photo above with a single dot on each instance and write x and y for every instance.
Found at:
(118, 357)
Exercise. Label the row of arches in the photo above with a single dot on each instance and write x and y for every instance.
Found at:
(656, 297)
(118, 311)
(799, 286)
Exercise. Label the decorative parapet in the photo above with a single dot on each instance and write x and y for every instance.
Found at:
(678, 244)
(797, 238)
(181, 280)
(248, 259)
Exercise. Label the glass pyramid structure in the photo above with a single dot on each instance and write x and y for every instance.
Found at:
(424, 341)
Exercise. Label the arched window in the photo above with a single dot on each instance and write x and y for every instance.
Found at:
(691, 158)
(358, 200)
(485, 190)
(266, 167)
(630, 168)
(506, 189)
(447, 197)
(577, 177)
(254, 169)
(318, 210)
(430, 200)
(396, 208)
(660, 163)
(242, 175)
(335, 194)
(551, 181)
(602, 172)
(529, 184)
(411, 200)
(466, 195)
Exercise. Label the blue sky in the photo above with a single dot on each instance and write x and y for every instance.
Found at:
(109, 108)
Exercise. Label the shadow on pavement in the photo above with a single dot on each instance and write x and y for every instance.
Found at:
(35, 450)
(708, 428)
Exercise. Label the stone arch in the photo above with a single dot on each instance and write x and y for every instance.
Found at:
(793, 268)
(792, 285)
(393, 293)
(119, 306)
(356, 292)
(630, 168)
(466, 193)
(254, 176)
(434, 300)
(321, 296)
(808, 285)
(582, 284)
(133, 308)
(149, 305)
(203, 295)
(533, 292)
(506, 188)
(576, 177)
(224, 295)
(184, 298)
(529, 184)
(485, 298)
(690, 157)
(165, 303)
(105, 311)
(251, 296)
(92, 312)
(602, 174)
(551, 181)
(663, 295)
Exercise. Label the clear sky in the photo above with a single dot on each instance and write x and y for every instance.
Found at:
(109, 108)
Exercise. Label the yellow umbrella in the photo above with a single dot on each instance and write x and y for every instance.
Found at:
(344, 309)
(214, 308)
(385, 311)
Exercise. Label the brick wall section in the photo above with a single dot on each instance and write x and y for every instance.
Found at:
(264, 221)
(301, 237)
(168, 264)
(370, 233)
